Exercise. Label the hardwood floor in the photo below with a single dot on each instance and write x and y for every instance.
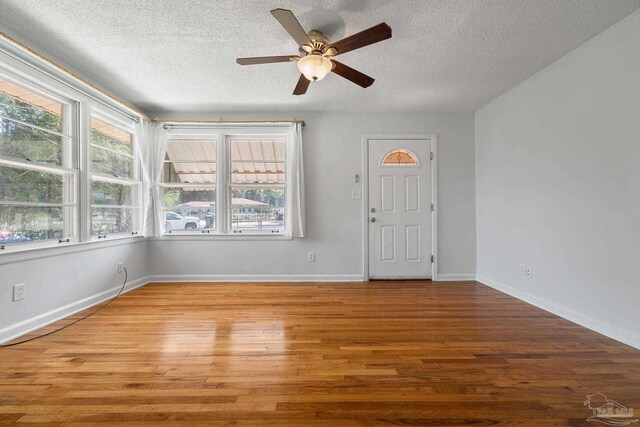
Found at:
(285, 354)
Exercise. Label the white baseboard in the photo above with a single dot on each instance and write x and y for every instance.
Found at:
(14, 331)
(256, 278)
(456, 277)
(624, 336)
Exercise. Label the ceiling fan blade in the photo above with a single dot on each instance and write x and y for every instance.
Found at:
(288, 20)
(363, 38)
(351, 74)
(302, 86)
(265, 59)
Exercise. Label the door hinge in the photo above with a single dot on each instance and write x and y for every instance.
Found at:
(431, 155)
(431, 259)
(431, 207)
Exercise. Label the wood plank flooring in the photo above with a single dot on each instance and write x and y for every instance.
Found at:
(303, 354)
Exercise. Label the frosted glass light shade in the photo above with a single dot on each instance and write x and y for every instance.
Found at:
(314, 67)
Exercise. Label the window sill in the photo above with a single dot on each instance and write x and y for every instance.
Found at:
(13, 255)
(222, 237)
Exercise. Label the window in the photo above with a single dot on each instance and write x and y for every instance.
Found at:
(188, 190)
(228, 181)
(115, 182)
(399, 158)
(38, 169)
(257, 185)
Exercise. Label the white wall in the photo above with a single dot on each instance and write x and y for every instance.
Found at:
(558, 185)
(333, 155)
(67, 281)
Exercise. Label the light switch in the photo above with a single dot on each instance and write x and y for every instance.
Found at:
(356, 194)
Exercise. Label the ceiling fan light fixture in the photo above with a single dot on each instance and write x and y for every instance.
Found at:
(315, 67)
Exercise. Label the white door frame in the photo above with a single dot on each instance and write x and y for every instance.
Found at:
(433, 140)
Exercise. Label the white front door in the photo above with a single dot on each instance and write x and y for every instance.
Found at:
(399, 211)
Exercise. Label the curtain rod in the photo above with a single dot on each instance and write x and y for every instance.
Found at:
(101, 92)
(175, 123)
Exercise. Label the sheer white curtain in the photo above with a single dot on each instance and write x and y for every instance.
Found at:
(295, 159)
(152, 145)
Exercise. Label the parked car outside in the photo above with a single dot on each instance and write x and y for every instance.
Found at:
(174, 221)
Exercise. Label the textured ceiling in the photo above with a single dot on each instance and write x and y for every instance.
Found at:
(179, 56)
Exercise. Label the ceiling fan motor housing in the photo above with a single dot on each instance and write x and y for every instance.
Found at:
(319, 47)
(317, 36)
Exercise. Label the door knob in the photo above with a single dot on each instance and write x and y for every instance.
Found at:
(373, 220)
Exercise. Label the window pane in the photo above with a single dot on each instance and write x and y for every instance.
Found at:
(257, 209)
(20, 185)
(25, 105)
(190, 161)
(24, 142)
(111, 220)
(114, 206)
(30, 129)
(106, 193)
(20, 224)
(189, 208)
(111, 137)
(106, 162)
(399, 158)
(257, 161)
(203, 150)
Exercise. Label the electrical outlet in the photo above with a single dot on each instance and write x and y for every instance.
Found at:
(311, 257)
(120, 266)
(356, 194)
(18, 292)
(526, 271)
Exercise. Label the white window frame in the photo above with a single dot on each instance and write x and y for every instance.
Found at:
(223, 136)
(196, 136)
(135, 182)
(229, 185)
(27, 69)
(70, 164)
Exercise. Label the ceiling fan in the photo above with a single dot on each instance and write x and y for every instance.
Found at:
(316, 52)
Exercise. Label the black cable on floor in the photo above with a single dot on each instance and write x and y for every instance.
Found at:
(126, 276)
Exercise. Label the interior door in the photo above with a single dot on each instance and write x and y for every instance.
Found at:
(400, 209)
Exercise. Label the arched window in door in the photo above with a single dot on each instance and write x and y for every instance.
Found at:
(399, 158)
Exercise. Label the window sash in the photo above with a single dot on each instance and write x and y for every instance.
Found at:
(131, 180)
(205, 224)
(171, 163)
(68, 206)
(232, 214)
(230, 184)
